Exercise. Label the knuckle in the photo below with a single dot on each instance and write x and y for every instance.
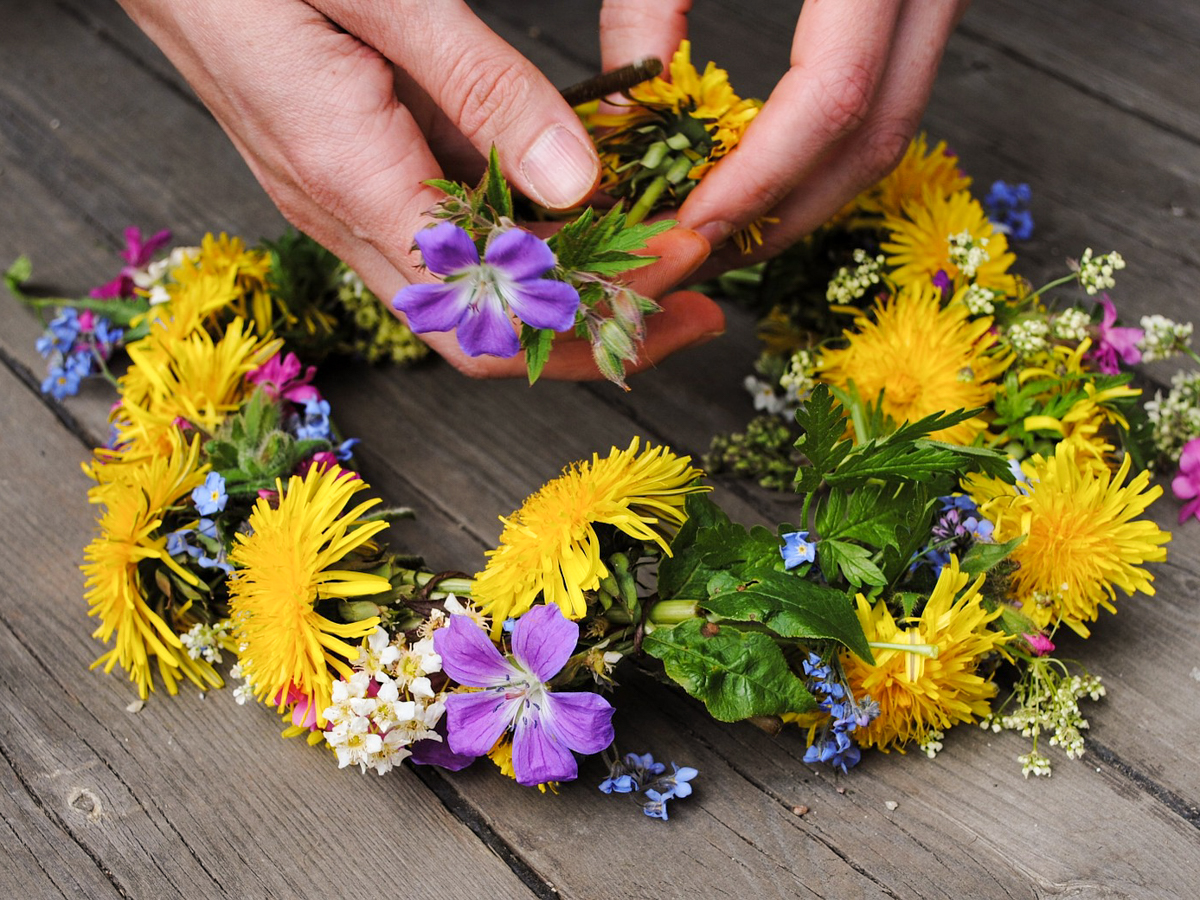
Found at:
(884, 145)
(485, 95)
(844, 97)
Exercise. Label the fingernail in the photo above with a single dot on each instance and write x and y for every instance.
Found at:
(716, 233)
(560, 170)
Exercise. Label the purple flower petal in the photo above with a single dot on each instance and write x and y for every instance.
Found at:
(544, 303)
(581, 720)
(539, 755)
(488, 330)
(446, 249)
(434, 307)
(522, 255)
(475, 721)
(469, 656)
(438, 753)
(543, 640)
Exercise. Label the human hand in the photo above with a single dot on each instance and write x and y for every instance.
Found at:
(839, 119)
(343, 109)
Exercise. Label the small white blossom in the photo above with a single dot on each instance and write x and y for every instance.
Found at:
(764, 395)
(850, 284)
(1095, 274)
(968, 253)
(1162, 338)
(378, 654)
(932, 745)
(1028, 336)
(1176, 417)
(1072, 325)
(207, 641)
(798, 380)
(979, 300)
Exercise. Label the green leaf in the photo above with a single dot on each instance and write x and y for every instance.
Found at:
(683, 574)
(736, 674)
(853, 561)
(499, 197)
(982, 557)
(823, 422)
(17, 274)
(537, 343)
(793, 607)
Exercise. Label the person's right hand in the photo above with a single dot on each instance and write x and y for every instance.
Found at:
(336, 104)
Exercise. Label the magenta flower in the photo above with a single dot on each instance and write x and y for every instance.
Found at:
(1039, 644)
(137, 254)
(280, 376)
(1186, 483)
(546, 726)
(476, 297)
(1113, 343)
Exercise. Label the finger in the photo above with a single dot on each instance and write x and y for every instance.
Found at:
(861, 159)
(839, 55)
(631, 30)
(489, 91)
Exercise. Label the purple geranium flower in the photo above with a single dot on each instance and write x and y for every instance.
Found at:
(1113, 343)
(546, 726)
(476, 296)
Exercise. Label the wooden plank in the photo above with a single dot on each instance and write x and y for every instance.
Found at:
(191, 796)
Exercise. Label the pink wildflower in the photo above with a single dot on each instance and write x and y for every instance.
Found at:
(1113, 343)
(1186, 483)
(1039, 644)
(137, 254)
(280, 377)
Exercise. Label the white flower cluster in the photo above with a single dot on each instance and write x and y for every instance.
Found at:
(244, 692)
(1176, 417)
(1072, 325)
(1096, 274)
(798, 380)
(1162, 338)
(979, 300)
(386, 705)
(1048, 703)
(1029, 336)
(157, 274)
(968, 253)
(850, 284)
(207, 641)
(932, 745)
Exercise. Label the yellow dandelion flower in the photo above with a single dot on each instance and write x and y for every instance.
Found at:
(286, 569)
(918, 245)
(190, 377)
(921, 170)
(550, 545)
(1082, 536)
(134, 498)
(923, 357)
(916, 693)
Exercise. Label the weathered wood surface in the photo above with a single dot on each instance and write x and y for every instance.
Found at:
(1094, 104)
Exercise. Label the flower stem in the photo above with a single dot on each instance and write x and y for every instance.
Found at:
(646, 202)
(1074, 276)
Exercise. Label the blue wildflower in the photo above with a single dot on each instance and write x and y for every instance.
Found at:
(1007, 207)
(314, 423)
(343, 451)
(178, 543)
(210, 497)
(797, 549)
(833, 744)
(656, 806)
(63, 378)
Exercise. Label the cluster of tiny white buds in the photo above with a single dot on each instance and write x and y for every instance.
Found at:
(850, 284)
(1028, 337)
(155, 277)
(1072, 325)
(968, 253)
(1096, 273)
(206, 641)
(798, 379)
(1162, 338)
(1176, 417)
(979, 300)
(1034, 763)
(932, 745)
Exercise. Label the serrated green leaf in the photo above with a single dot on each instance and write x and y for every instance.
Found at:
(983, 557)
(450, 188)
(823, 422)
(853, 561)
(909, 601)
(735, 674)
(793, 607)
